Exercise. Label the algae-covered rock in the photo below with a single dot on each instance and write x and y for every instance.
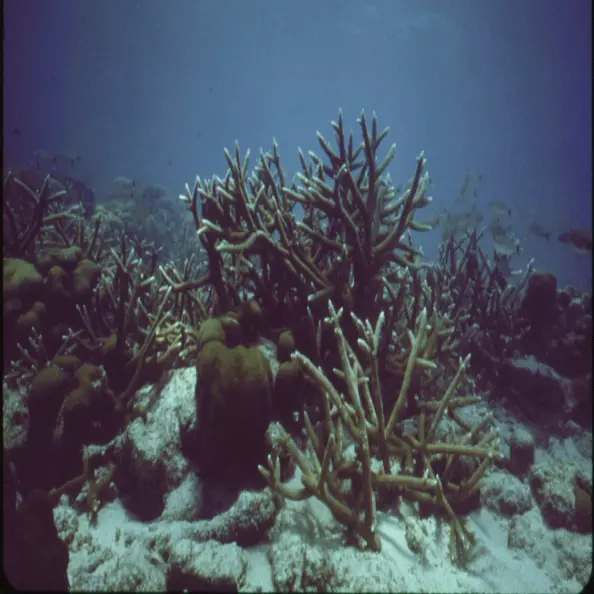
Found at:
(12, 307)
(36, 559)
(68, 363)
(583, 507)
(57, 283)
(232, 329)
(48, 391)
(521, 455)
(553, 487)
(88, 408)
(32, 318)
(21, 280)
(540, 299)
(66, 257)
(84, 279)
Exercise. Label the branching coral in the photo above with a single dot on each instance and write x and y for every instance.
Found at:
(417, 466)
(482, 305)
(353, 228)
(73, 292)
(27, 210)
(387, 354)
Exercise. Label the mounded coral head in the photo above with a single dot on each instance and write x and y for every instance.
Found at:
(84, 279)
(23, 285)
(210, 330)
(46, 395)
(250, 318)
(234, 407)
(88, 408)
(67, 258)
(286, 345)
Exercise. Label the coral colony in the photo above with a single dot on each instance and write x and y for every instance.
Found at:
(373, 348)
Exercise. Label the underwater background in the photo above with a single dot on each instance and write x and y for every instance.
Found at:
(153, 91)
(249, 347)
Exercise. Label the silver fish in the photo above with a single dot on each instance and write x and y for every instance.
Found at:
(496, 227)
(506, 246)
(500, 208)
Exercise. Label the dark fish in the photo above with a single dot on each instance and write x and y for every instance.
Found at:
(578, 239)
(539, 231)
(72, 157)
(16, 132)
(466, 194)
(42, 156)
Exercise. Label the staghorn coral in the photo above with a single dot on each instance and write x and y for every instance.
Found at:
(28, 209)
(353, 231)
(418, 467)
(480, 303)
(353, 245)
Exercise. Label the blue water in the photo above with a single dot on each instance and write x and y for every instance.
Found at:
(154, 90)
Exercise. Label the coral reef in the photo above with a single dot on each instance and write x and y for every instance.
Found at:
(313, 335)
(353, 231)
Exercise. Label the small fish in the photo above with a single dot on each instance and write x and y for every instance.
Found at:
(42, 156)
(539, 231)
(466, 195)
(578, 239)
(16, 132)
(500, 208)
(434, 221)
(496, 227)
(506, 246)
(123, 182)
(466, 219)
(72, 157)
(502, 264)
(458, 223)
(465, 198)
